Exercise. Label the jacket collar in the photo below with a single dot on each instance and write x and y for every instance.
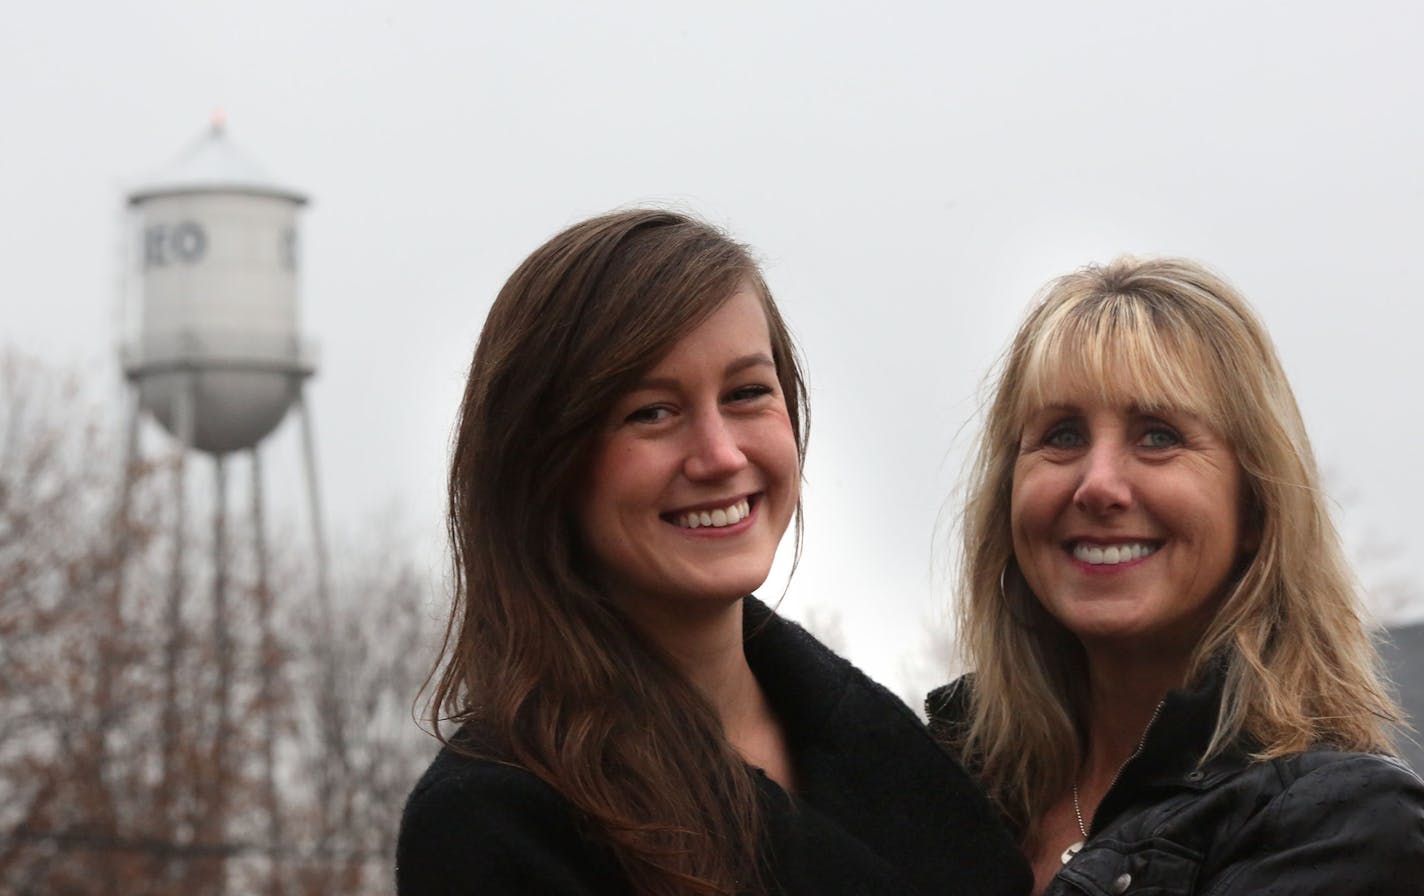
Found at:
(802, 679)
(1172, 751)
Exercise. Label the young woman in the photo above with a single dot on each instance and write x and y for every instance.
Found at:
(628, 719)
(1173, 689)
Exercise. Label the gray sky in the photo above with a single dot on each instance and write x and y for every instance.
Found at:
(910, 173)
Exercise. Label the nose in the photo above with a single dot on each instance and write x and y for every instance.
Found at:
(713, 452)
(1104, 487)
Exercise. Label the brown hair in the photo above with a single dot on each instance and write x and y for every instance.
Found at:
(534, 654)
(1299, 666)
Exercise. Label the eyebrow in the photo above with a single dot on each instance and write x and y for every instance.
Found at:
(734, 367)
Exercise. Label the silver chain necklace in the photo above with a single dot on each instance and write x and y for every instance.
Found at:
(1075, 847)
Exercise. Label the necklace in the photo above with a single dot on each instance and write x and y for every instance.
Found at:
(1075, 847)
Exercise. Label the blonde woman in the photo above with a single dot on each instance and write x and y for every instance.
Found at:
(1173, 691)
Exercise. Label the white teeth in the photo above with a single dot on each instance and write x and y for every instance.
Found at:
(724, 516)
(1118, 553)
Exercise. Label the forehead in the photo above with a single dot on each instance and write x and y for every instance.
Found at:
(1136, 367)
(738, 326)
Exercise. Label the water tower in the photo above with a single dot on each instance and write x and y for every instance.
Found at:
(217, 358)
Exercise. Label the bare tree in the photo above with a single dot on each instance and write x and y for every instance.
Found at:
(147, 752)
(934, 663)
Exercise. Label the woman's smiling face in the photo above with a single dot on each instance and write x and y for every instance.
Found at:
(696, 475)
(1127, 524)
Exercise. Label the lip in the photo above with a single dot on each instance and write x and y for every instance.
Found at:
(753, 511)
(715, 504)
(1108, 540)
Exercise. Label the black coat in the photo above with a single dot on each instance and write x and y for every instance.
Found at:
(880, 809)
(1319, 822)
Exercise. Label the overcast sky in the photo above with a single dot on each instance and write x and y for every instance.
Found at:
(910, 174)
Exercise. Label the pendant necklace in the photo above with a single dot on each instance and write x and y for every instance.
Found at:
(1077, 846)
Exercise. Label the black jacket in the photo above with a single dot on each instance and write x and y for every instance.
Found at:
(880, 809)
(1318, 822)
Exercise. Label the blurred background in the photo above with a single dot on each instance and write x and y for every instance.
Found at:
(910, 174)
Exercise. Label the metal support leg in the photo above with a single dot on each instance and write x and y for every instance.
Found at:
(121, 523)
(314, 496)
(331, 709)
(267, 697)
(183, 416)
(222, 643)
(110, 645)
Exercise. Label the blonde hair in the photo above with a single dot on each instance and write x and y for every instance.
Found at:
(1299, 668)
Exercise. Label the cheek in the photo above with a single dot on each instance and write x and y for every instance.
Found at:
(606, 486)
(620, 469)
(1230, 516)
(791, 457)
(1028, 504)
(776, 449)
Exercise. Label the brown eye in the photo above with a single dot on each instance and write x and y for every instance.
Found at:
(650, 414)
(748, 393)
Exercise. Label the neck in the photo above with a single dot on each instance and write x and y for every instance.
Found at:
(706, 647)
(1123, 695)
(707, 650)
(704, 643)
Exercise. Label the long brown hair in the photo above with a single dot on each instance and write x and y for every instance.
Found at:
(534, 655)
(1299, 666)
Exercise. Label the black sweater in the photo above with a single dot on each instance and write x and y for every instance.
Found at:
(879, 809)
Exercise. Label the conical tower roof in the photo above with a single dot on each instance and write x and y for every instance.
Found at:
(212, 163)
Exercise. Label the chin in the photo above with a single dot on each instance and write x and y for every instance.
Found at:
(730, 591)
(731, 588)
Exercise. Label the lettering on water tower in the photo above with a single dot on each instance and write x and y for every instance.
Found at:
(169, 244)
(186, 243)
(289, 248)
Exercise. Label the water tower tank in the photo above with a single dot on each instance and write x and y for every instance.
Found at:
(217, 240)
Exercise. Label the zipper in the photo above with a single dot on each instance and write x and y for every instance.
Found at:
(1142, 742)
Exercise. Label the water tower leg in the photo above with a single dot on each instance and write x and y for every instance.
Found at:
(219, 762)
(183, 413)
(121, 511)
(109, 645)
(314, 496)
(267, 695)
(331, 710)
(119, 561)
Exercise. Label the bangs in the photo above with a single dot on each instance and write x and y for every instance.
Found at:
(1123, 351)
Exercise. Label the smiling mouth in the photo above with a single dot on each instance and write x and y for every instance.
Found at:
(1110, 555)
(714, 518)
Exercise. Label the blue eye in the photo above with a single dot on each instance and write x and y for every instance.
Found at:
(1160, 437)
(1063, 436)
